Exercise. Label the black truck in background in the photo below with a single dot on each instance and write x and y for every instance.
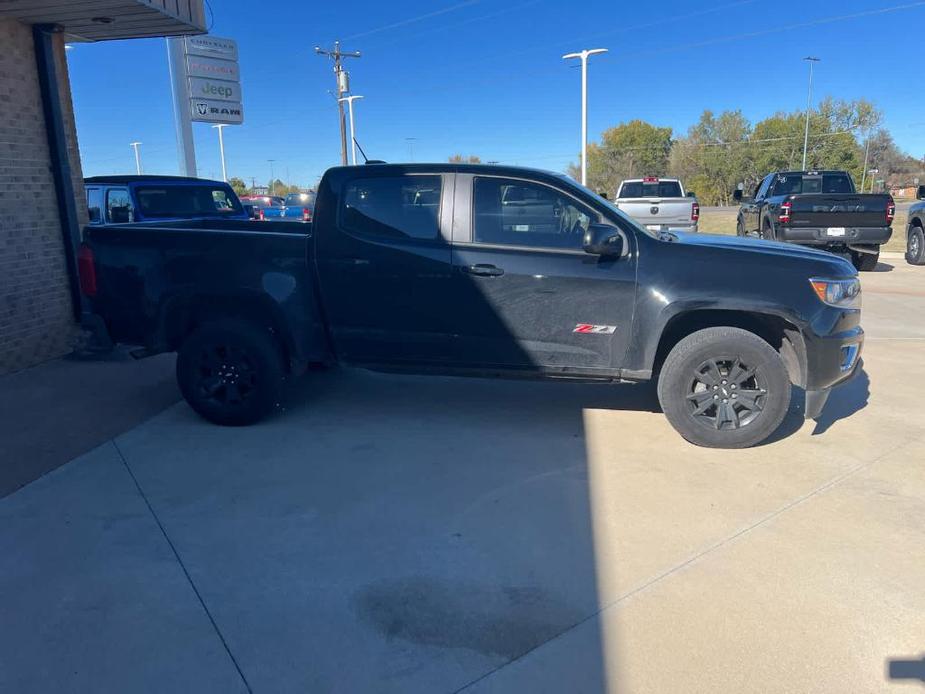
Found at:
(820, 209)
(484, 271)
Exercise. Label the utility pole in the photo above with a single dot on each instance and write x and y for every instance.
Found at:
(411, 141)
(343, 86)
(866, 155)
(272, 178)
(353, 139)
(809, 102)
(583, 55)
(135, 145)
(221, 148)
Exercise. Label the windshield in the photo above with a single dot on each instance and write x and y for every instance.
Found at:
(612, 211)
(797, 183)
(186, 201)
(654, 189)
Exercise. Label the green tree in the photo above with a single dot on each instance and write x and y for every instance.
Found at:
(464, 159)
(629, 150)
(237, 185)
(714, 156)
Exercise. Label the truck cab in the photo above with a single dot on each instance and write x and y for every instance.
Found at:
(128, 199)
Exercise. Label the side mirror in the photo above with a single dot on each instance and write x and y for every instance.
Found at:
(603, 240)
(737, 195)
(920, 193)
(691, 194)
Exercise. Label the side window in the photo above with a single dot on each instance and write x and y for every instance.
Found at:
(520, 213)
(397, 207)
(95, 205)
(763, 188)
(119, 208)
(222, 201)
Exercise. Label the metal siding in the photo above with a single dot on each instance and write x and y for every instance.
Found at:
(133, 18)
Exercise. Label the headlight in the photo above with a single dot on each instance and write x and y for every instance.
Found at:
(838, 293)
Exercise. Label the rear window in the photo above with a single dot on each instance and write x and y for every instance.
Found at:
(296, 199)
(795, 184)
(660, 189)
(185, 201)
(398, 207)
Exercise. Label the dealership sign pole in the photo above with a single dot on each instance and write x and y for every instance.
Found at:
(206, 87)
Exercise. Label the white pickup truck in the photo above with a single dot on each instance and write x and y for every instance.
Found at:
(658, 203)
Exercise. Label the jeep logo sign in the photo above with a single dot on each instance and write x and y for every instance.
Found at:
(205, 88)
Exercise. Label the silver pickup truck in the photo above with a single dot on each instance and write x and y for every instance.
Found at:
(658, 203)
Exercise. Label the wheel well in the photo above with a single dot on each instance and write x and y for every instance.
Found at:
(915, 222)
(777, 332)
(184, 316)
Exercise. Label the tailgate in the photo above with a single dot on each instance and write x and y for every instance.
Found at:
(839, 210)
(658, 210)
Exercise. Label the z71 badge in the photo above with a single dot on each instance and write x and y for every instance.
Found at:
(597, 329)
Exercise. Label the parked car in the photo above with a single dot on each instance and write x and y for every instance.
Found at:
(820, 209)
(264, 206)
(659, 204)
(299, 206)
(433, 268)
(125, 199)
(915, 231)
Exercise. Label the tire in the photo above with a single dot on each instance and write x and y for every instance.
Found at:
(915, 246)
(865, 262)
(230, 372)
(767, 232)
(724, 357)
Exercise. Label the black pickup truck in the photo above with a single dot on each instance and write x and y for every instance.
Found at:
(479, 270)
(820, 209)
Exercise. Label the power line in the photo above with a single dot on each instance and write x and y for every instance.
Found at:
(413, 20)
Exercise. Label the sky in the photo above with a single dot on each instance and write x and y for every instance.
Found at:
(487, 78)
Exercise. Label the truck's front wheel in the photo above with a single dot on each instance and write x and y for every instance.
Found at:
(724, 388)
(230, 372)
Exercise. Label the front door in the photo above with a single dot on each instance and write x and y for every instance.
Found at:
(526, 296)
(384, 268)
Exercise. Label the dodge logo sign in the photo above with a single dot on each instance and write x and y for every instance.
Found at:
(653, 209)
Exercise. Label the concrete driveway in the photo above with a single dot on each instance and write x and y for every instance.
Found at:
(390, 534)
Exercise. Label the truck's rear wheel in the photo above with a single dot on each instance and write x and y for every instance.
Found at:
(724, 388)
(865, 262)
(230, 372)
(915, 246)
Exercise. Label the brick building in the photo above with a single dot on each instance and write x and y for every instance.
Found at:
(42, 202)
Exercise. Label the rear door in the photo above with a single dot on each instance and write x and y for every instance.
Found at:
(525, 294)
(384, 266)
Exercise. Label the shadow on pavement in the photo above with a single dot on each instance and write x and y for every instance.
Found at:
(846, 399)
(883, 267)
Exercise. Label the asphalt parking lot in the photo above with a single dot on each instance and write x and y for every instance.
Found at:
(396, 534)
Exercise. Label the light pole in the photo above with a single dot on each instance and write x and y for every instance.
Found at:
(809, 101)
(135, 145)
(353, 139)
(410, 141)
(272, 178)
(221, 148)
(583, 55)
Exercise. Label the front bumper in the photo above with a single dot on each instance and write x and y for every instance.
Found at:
(830, 360)
(834, 236)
